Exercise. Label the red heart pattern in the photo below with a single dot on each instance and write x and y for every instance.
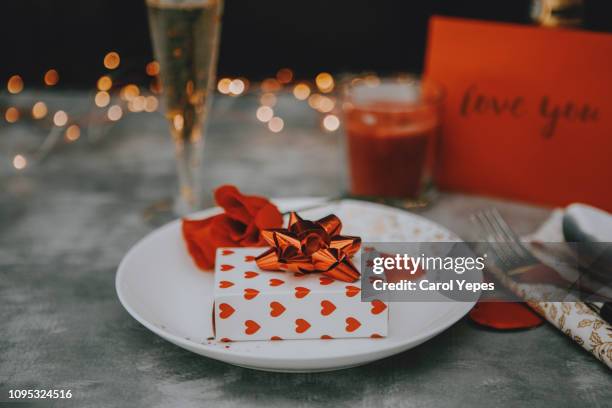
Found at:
(352, 324)
(225, 310)
(324, 280)
(301, 292)
(276, 309)
(327, 307)
(251, 327)
(301, 326)
(352, 290)
(250, 293)
(276, 282)
(378, 307)
(225, 284)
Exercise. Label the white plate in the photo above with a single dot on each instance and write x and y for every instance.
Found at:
(160, 287)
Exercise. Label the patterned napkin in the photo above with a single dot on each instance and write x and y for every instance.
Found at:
(575, 319)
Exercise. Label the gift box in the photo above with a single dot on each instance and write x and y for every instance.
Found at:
(256, 304)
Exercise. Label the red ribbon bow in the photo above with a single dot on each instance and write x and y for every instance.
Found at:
(311, 246)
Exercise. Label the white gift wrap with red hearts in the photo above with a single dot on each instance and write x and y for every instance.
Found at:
(253, 304)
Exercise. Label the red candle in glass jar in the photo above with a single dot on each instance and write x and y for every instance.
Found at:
(391, 128)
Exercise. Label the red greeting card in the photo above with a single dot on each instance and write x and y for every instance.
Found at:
(527, 112)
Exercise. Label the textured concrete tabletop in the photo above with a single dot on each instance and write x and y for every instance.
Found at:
(66, 223)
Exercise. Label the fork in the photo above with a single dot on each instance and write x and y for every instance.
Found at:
(512, 257)
(517, 261)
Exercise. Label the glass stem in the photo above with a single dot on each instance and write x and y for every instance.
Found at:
(189, 143)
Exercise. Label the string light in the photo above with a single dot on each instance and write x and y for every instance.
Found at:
(105, 83)
(39, 110)
(151, 104)
(178, 121)
(15, 84)
(313, 100)
(152, 68)
(271, 85)
(102, 99)
(276, 124)
(264, 113)
(236, 87)
(326, 104)
(268, 99)
(156, 86)
(223, 85)
(51, 77)
(114, 113)
(60, 118)
(321, 103)
(325, 82)
(73, 132)
(111, 60)
(20, 162)
(301, 91)
(137, 104)
(331, 123)
(129, 92)
(11, 115)
(284, 75)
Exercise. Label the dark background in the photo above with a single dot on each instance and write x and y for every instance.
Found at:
(259, 37)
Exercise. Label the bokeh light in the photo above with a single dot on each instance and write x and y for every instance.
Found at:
(73, 132)
(223, 85)
(326, 104)
(102, 99)
(152, 68)
(114, 113)
(301, 91)
(20, 162)
(276, 124)
(151, 104)
(137, 104)
(111, 60)
(105, 83)
(325, 82)
(15, 84)
(11, 115)
(284, 75)
(331, 123)
(271, 85)
(129, 92)
(51, 77)
(268, 99)
(236, 87)
(264, 113)
(60, 118)
(178, 122)
(39, 110)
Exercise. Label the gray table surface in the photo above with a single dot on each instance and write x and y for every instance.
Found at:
(66, 223)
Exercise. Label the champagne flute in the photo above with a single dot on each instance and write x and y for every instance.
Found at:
(185, 35)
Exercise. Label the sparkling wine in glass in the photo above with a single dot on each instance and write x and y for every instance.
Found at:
(185, 35)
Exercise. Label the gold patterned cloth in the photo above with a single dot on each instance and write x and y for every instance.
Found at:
(574, 319)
